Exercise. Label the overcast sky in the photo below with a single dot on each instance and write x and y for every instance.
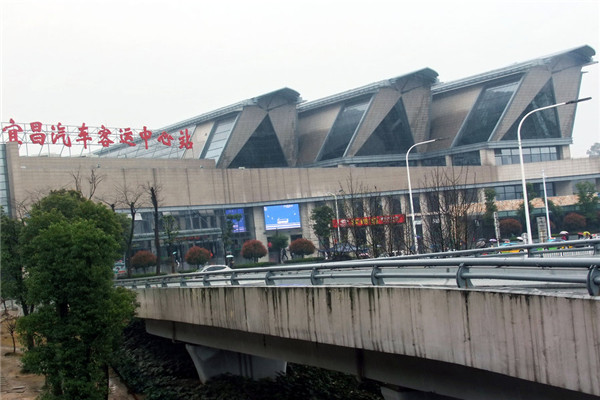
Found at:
(134, 63)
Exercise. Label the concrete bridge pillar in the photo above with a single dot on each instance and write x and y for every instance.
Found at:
(211, 362)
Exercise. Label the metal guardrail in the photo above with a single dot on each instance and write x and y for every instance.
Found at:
(438, 269)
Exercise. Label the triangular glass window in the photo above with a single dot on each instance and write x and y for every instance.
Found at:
(218, 139)
(484, 117)
(262, 150)
(539, 125)
(392, 136)
(343, 130)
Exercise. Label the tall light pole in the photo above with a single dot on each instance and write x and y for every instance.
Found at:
(412, 209)
(525, 199)
(546, 204)
(337, 216)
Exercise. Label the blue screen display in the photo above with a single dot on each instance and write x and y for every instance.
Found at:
(285, 216)
(238, 225)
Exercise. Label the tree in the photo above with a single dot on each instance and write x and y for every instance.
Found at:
(154, 199)
(574, 222)
(302, 247)
(531, 194)
(594, 151)
(447, 222)
(278, 242)
(170, 227)
(556, 213)
(510, 227)
(197, 256)
(11, 264)
(490, 209)
(587, 202)
(321, 218)
(253, 250)
(228, 230)
(69, 247)
(132, 199)
(143, 259)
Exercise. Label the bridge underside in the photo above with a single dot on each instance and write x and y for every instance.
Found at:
(429, 376)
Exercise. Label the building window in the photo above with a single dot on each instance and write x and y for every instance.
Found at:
(343, 130)
(515, 192)
(434, 162)
(218, 139)
(530, 154)
(539, 125)
(262, 150)
(486, 113)
(392, 136)
(469, 158)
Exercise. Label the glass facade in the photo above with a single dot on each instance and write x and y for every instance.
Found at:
(469, 158)
(262, 150)
(539, 125)
(392, 136)
(434, 162)
(218, 139)
(343, 130)
(484, 117)
(530, 154)
(515, 192)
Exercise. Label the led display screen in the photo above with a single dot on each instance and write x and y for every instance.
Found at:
(238, 225)
(282, 217)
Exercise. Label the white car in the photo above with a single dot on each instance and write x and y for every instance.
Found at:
(214, 268)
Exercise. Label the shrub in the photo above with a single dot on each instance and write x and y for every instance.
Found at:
(197, 256)
(510, 227)
(143, 259)
(253, 250)
(302, 247)
(574, 222)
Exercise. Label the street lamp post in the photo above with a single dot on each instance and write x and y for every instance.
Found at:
(337, 216)
(525, 199)
(546, 204)
(412, 209)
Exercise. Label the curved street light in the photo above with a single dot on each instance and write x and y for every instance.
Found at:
(525, 199)
(412, 209)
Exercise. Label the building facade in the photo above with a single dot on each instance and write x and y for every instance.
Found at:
(275, 157)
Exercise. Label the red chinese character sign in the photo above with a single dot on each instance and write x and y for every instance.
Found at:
(34, 135)
(367, 221)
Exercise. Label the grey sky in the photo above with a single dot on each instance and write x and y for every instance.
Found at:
(134, 63)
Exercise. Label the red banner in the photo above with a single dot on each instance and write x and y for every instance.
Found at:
(366, 221)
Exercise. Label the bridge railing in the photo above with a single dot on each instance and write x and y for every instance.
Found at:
(510, 269)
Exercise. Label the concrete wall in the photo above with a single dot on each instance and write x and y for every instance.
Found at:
(551, 340)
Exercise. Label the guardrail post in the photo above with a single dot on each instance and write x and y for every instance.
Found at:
(268, 280)
(593, 279)
(205, 280)
(163, 283)
(182, 282)
(233, 279)
(313, 277)
(148, 286)
(460, 281)
(375, 280)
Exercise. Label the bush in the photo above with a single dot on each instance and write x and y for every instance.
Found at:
(197, 256)
(253, 250)
(510, 227)
(574, 222)
(143, 259)
(302, 247)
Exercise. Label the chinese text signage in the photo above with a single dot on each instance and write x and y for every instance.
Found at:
(366, 221)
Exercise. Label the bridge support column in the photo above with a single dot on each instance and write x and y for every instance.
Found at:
(211, 362)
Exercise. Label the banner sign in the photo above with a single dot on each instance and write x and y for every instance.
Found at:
(366, 221)
(67, 136)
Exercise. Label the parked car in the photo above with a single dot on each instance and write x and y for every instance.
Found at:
(214, 268)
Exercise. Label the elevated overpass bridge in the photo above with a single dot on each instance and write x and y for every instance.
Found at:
(460, 327)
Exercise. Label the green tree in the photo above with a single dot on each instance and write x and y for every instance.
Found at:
(12, 267)
(278, 242)
(228, 230)
(490, 209)
(531, 194)
(587, 202)
(170, 227)
(302, 247)
(321, 218)
(556, 213)
(69, 247)
(253, 250)
(197, 256)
